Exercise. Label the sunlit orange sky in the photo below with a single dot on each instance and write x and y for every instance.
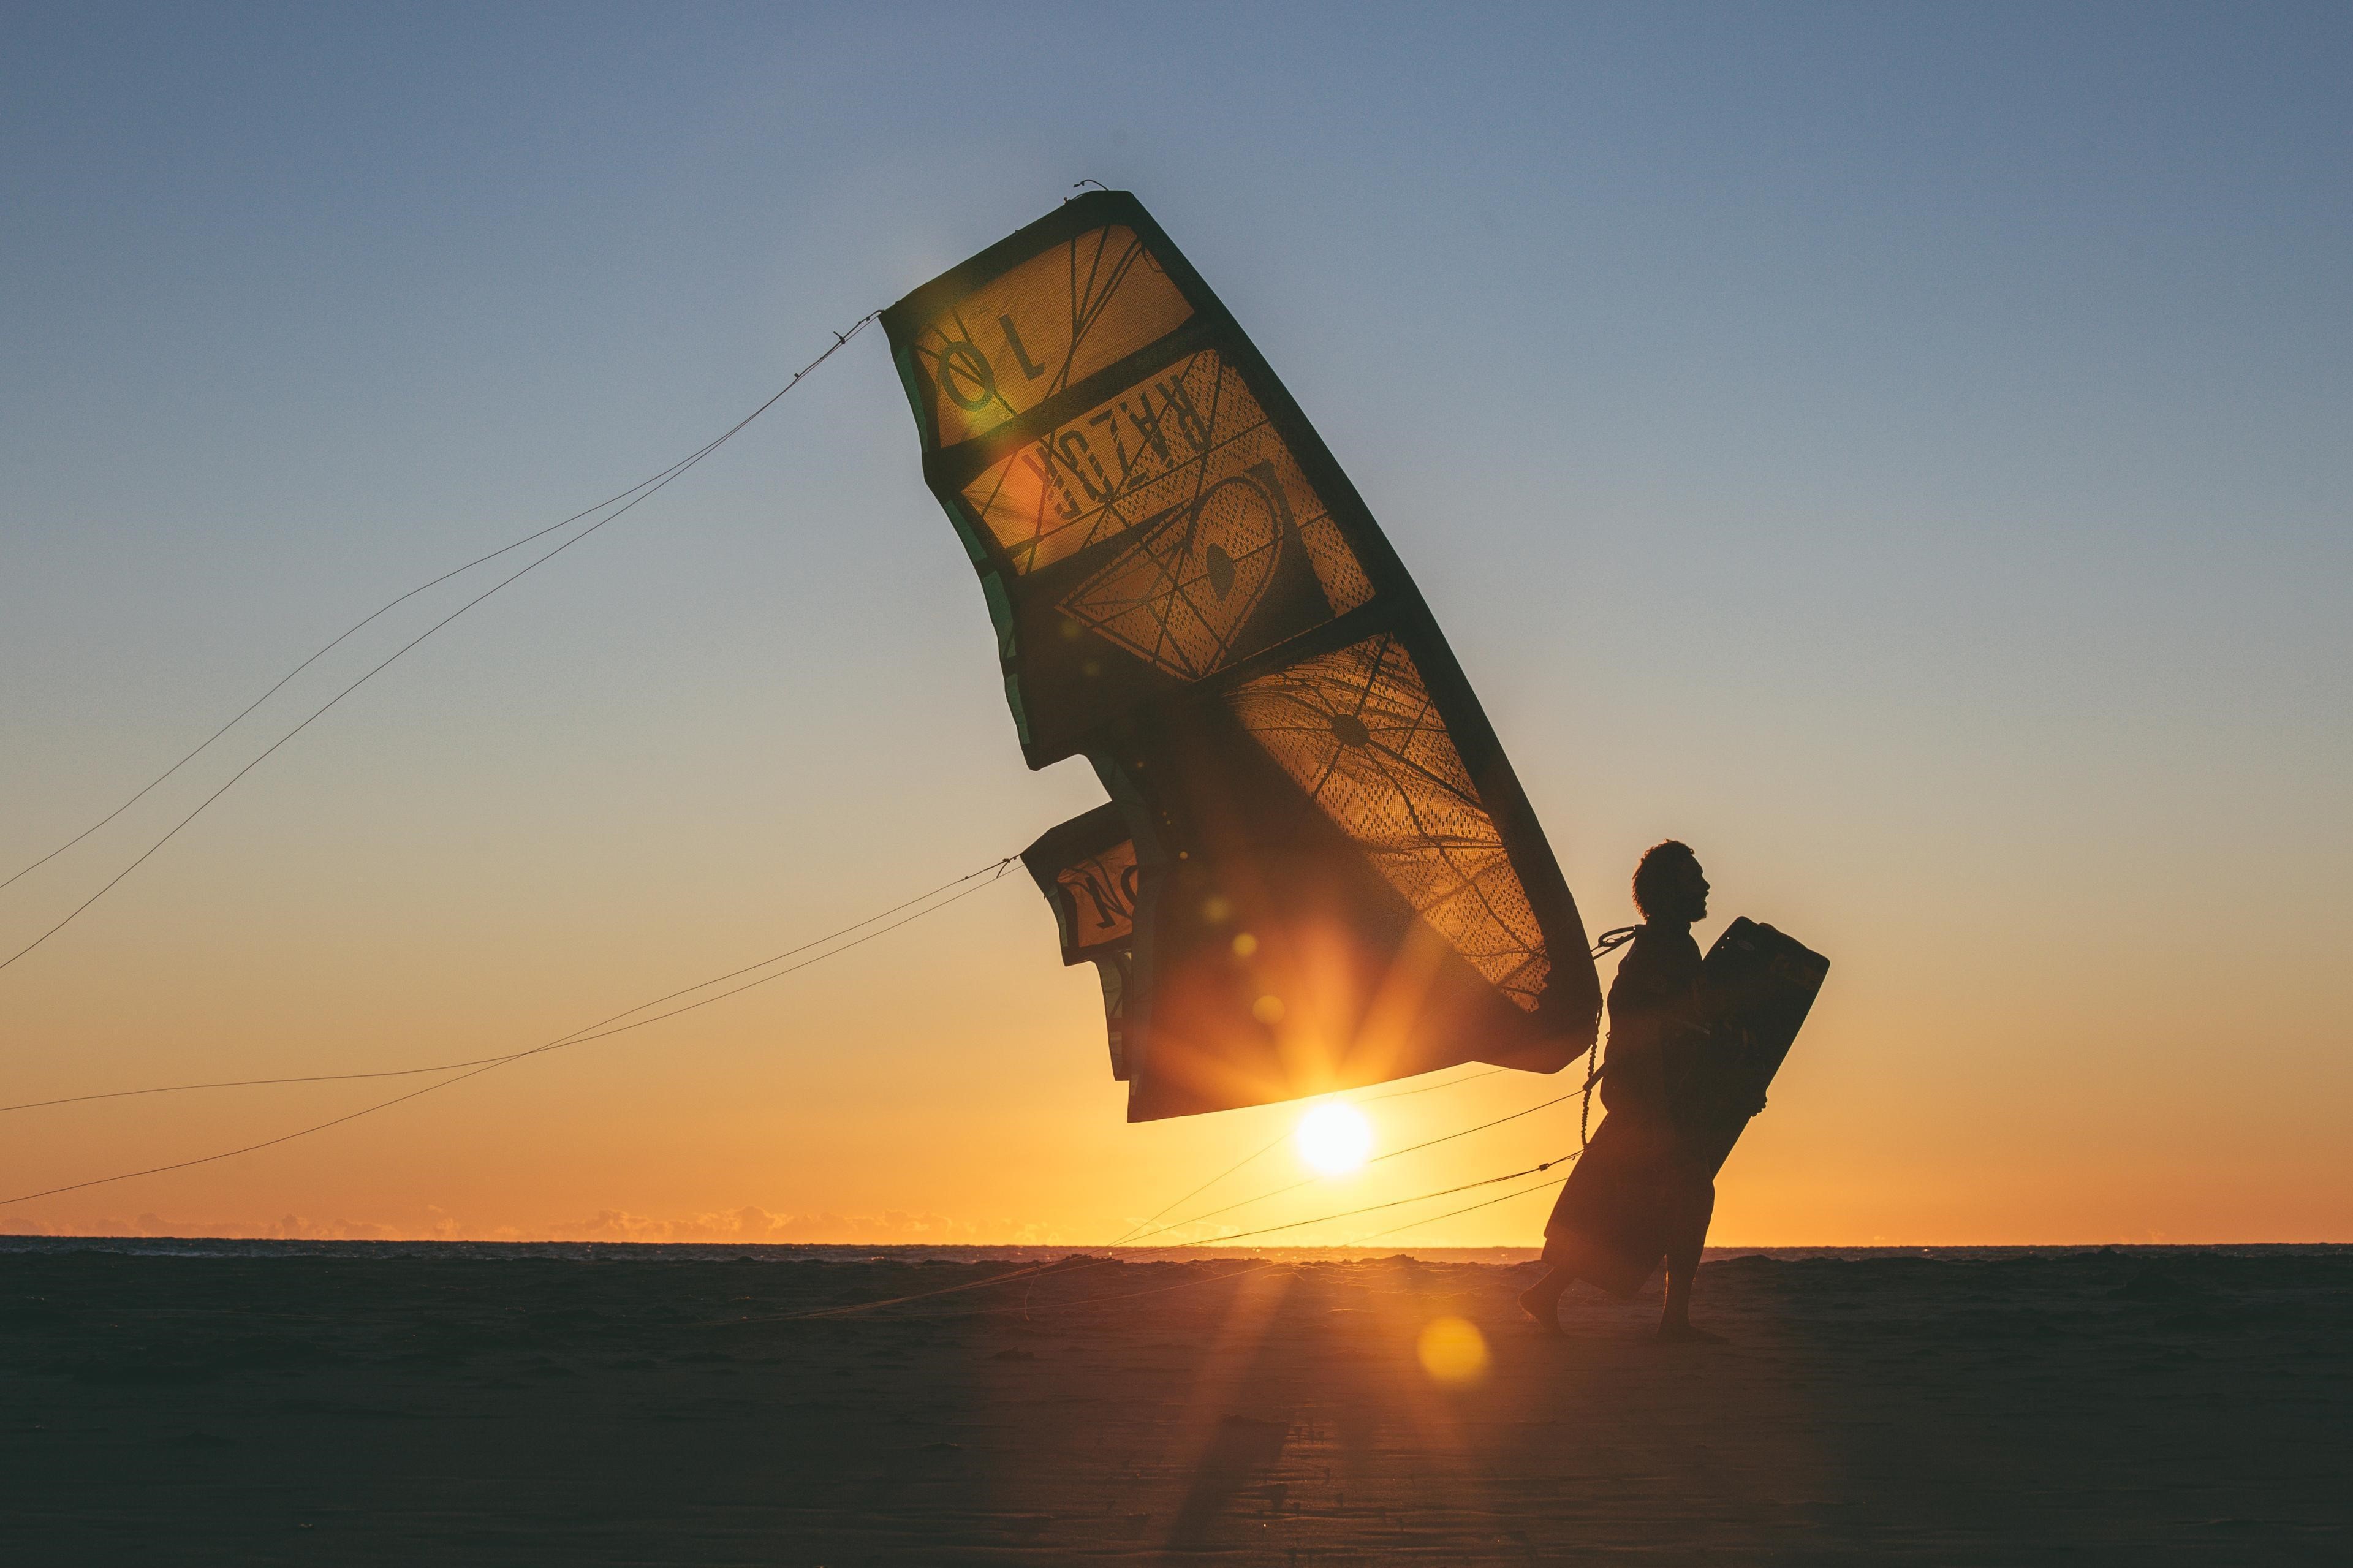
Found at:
(1902, 453)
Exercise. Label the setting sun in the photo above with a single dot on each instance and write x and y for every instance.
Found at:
(1334, 1138)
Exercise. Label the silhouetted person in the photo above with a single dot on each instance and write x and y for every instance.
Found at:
(1640, 1190)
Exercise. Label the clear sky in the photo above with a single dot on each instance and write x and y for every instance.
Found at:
(1903, 451)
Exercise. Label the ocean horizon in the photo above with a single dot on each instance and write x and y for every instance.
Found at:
(904, 1252)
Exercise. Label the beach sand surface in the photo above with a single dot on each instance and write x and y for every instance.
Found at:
(349, 1403)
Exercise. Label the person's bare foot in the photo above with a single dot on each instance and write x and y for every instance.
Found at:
(1683, 1333)
(1544, 1310)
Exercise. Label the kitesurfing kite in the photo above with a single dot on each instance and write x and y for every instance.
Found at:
(1316, 869)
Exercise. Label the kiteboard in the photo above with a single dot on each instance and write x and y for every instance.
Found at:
(1758, 986)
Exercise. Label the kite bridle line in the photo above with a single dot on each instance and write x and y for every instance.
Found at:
(635, 493)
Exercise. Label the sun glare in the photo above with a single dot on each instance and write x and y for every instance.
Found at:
(1334, 1138)
(1454, 1351)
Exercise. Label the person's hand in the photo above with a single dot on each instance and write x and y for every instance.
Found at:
(1758, 1108)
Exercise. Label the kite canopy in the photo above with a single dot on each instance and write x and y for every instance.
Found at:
(1317, 869)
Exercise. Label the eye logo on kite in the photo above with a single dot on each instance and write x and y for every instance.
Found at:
(1181, 593)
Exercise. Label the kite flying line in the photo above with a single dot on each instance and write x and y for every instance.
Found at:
(1609, 942)
(1072, 1264)
(996, 867)
(339, 639)
(1031, 1272)
(1391, 1154)
(1400, 1202)
(1450, 1213)
(1064, 1265)
(1270, 1148)
(983, 877)
(635, 493)
(1075, 1263)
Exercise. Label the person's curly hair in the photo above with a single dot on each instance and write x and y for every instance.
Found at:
(1660, 864)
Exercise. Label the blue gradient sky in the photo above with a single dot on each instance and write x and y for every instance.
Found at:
(1901, 451)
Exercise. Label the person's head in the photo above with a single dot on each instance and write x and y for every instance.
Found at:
(1669, 886)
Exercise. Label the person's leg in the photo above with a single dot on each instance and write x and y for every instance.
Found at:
(1684, 1248)
(1541, 1300)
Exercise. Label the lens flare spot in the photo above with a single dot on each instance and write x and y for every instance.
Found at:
(1268, 1009)
(1454, 1351)
(1334, 1138)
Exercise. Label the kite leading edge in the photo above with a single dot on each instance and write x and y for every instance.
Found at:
(1316, 869)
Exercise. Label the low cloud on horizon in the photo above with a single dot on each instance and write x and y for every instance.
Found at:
(749, 1225)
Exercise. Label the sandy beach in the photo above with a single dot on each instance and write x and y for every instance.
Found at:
(292, 1403)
